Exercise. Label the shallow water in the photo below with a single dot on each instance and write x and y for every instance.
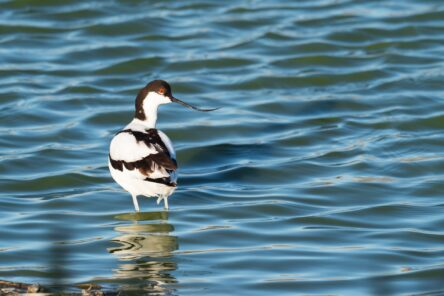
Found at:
(321, 174)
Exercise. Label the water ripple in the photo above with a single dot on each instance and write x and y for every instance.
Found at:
(321, 174)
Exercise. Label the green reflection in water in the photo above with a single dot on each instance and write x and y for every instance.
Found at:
(145, 251)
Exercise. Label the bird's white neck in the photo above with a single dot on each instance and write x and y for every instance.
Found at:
(150, 120)
(141, 125)
(150, 108)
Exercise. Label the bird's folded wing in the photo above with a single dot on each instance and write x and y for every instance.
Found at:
(143, 152)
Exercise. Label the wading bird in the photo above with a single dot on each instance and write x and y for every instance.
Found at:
(142, 158)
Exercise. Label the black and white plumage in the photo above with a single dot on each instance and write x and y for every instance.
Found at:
(141, 158)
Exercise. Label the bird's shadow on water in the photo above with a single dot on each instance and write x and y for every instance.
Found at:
(145, 253)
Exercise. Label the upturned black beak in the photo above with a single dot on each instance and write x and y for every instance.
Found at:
(173, 99)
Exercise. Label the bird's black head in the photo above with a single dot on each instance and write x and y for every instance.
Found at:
(160, 87)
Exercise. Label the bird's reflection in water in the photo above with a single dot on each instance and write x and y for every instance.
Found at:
(145, 250)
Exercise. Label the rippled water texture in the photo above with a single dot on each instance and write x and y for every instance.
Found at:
(321, 174)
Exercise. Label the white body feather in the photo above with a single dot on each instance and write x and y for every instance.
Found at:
(124, 146)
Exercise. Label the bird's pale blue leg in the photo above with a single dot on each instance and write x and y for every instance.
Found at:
(165, 203)
(136, 204)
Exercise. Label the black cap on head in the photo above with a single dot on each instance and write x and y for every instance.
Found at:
(160, 86)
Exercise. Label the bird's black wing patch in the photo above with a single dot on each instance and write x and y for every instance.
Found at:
(148, 164)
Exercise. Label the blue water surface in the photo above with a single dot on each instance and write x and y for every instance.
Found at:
(321, 175)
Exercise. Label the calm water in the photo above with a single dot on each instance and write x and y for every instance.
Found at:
(322, 173)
